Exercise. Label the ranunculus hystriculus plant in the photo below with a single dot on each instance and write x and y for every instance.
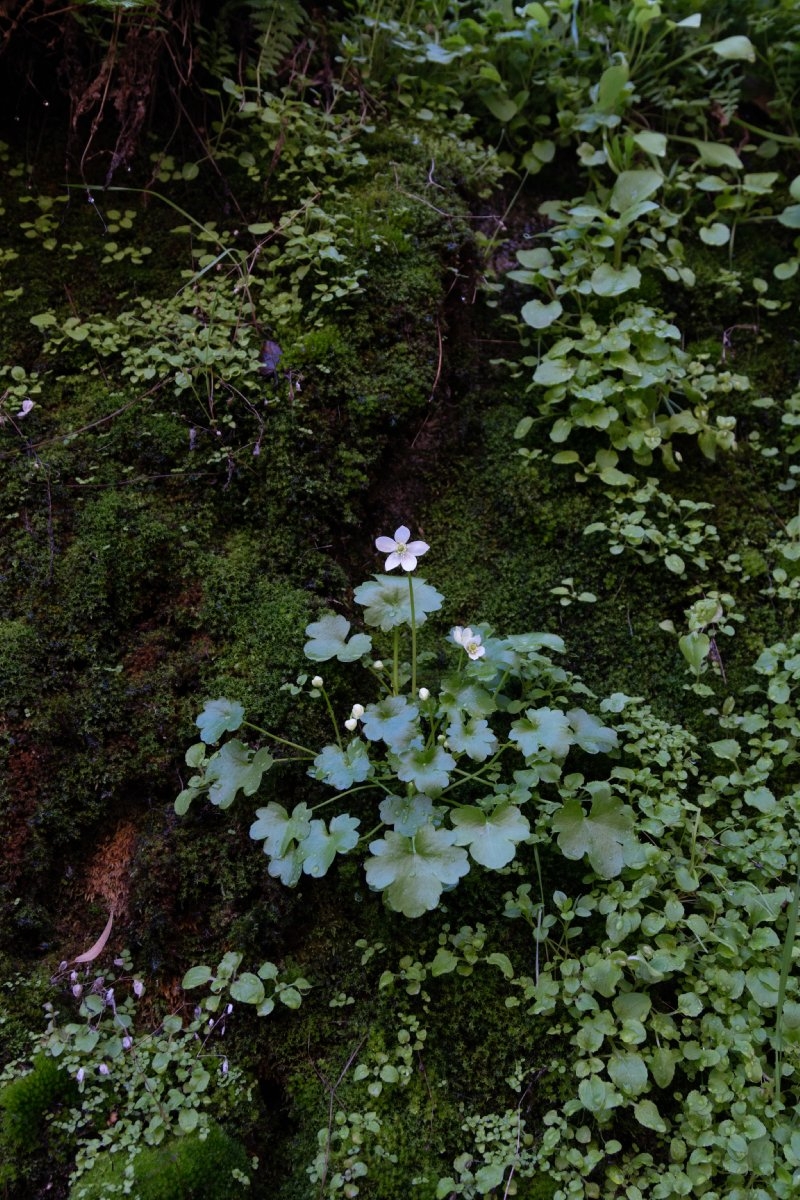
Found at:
(432, 771)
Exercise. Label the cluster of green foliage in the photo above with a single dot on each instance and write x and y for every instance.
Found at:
(213, 395)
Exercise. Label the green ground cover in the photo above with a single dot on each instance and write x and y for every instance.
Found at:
(475, 876)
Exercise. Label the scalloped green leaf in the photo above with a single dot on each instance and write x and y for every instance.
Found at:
(606, 836)
(218, 717)
(492, 838)
(427, 767)
(473, 738)
(233, 768)
(393, 721)
(543, 729)
(328, 639)
(341, 768)
(413, 872)
(387, 602)
(278, 830)
(321, 845)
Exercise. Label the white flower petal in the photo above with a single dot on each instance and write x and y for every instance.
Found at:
(402, 534)
(418, 548)
(394, 560)
(457, 635)
(407, 560)
(476, 652)
(385, 544)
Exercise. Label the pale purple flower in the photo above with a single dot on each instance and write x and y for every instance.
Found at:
(138, 988)
(402, 552)
(103, 1069)
(81, 1075)
(27, 405)
(469, 641)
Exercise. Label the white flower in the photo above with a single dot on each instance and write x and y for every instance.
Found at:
(316, 681)
(351, 724)
(469, 641)
(378, 664)
(358, 710)
(402, 552)
(424, 694)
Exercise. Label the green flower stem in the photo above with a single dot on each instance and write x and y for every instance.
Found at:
(475, 776)
(371, 833)
(396, 663)
(366, 787)
(332, 715)
(304, 750)
(413, 637)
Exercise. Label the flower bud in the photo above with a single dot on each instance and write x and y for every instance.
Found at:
(81, 1075)
(127, 1042)
(77, 990)
(424, 694)
(351, 723)
(103, 1069)
(358, 710)
(316, 681)
(378, 664)
(138, 988)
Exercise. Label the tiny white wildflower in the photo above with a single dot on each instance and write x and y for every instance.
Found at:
(402, 552)
(469, 641)
(424, 694)
(351, 724)
(316, 681)
(357, 711)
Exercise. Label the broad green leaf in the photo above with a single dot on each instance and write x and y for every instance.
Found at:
(320, 847)
(737, 48)
(651, 142)
(605, 836)
(387, 601)
(500, 105)
(195, 756)
(612, 87)
(393, 721)
(412, 872)
(648, 1115)
(632, 187)
(606, 281)
(44, 320)
(218, 717)
(538, 259)
(598, 1096)
(287, 867)
(444, 962)
(278, 829)
(427, 767)
(694, 647)
(718, 154)
(715, 234)
(662, 1066)
(591, 734)
(247, 989)
(552, 371)
(727, 748)
(196, 977)
(628, 1072)
(342, 768)
(406, 813)
(492, 838)
(328, 640)
(542, 729)
(235, 767)
(790, 217)
(188, 1119)
(674, 563)
(539, 315)
(473, 737)
(459, 694)
(762, 984)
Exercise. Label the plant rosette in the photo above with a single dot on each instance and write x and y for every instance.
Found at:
(445, 776)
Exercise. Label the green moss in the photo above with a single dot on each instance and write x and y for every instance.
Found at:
(199, 1166)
